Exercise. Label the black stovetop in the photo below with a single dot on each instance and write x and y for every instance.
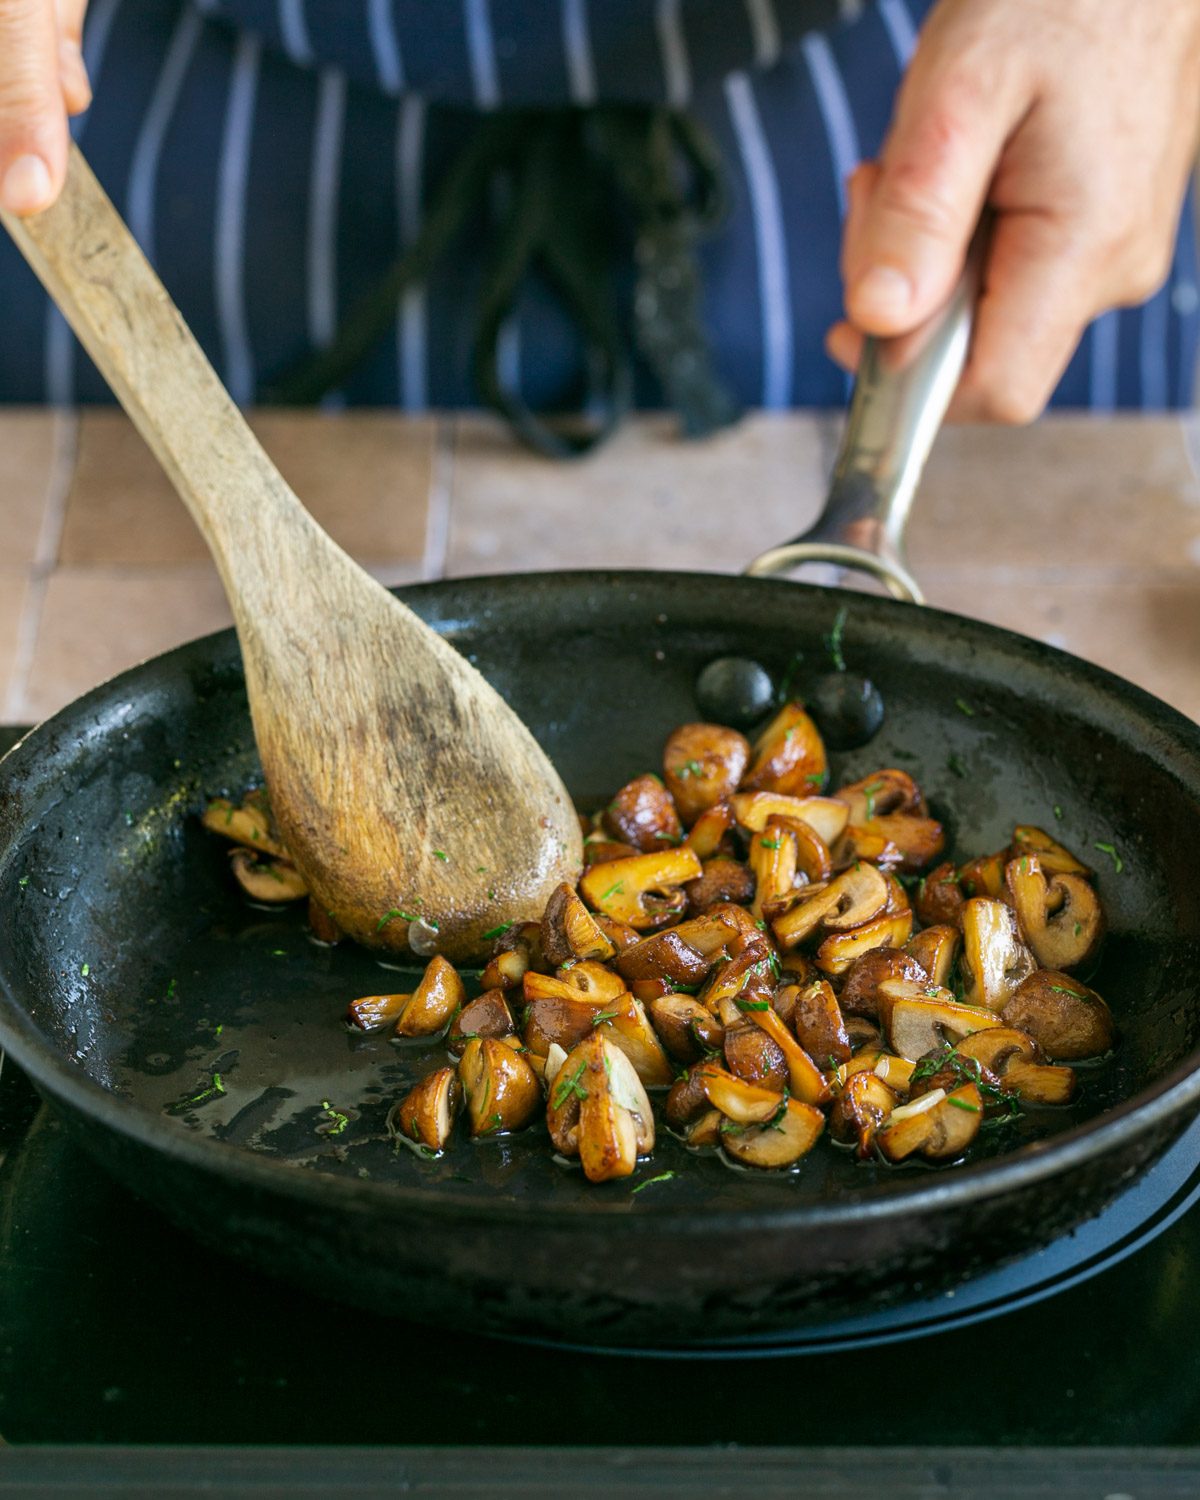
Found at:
(116, 1328)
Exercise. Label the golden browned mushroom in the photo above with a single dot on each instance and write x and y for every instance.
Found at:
(598, 1110)
(860, 988)
(643, 814)
(789, 755)
(487, 1015)
(889, 790)
(751, 934)
(705, 1130)
(940, 897)
(984, 877)
(372, 1012)
(840, 949)
(723, 880)
(628, 1027)
(819, 1026)
(502, 1090)
(427, 1113)
(711, 834)
(780, 1142)
(919, 1019)
(895, 1071)
(860, 1109)
(863, 1033)
(935, 949)
(805, 1079)
(437, 996)
(745, 975)
(1059, 918)
(599, 849)
(702, 765)
(249, 824)
(1066, 1019)
(643, 892)
(995, 958)
(939, 1125)
(270, 881)
(1055, 858)
(618, 934)
(569, 931)
(1018, 1062)
(773, 859)
(848, 901)
(683, 954)
(824, 815)
(897, 896)
(517, 949)
(585, 981)
(685, 1027)
(858, 843)
(750, 1054)
(919, 839)
(688, 1097)
(561, 1019)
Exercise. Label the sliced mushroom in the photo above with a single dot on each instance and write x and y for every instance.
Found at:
(685, 1027)
(439, 993)
(789, 755)
(626, 1024)
(751, 934)
(984, 877)
(683, 954)
(886, 791)
(428, 1111)
(598, 849)
(750, 1054)
(858, 843)
(863, 1033)
(618, 934)
(746, 974)
(1016, 1059)
(840, 949)
(805, 1079)
(688, 1097)
(643, 814)
(917, 1022)
(860, 1109)
(995, 958)
(935, 949)
(781, 1142)
(938, 1125)
(271, 881)
(940, 897)
(569, 931)
(1055, 858)
(895, 1071)
(723, 880)
(643, 892)
(702, 765)
(919, 839)
(897, 896)
(595, 982)
(517, 949)
(502, 1090)
(705, 1130)
(824, 815)
(820, 1029)
(561, 1019)
(710, 835)
(1066, 1019)
(373, 1012)
(598, 1110)
(487, 1015)
(774, 862)
(743, 1103)
(860, 989)
(1059, 918)
(847, 902)
(248, 824)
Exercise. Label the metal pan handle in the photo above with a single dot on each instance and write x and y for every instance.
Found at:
(903, 388)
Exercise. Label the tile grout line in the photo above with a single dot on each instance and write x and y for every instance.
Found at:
(45, 559)
(438, 502)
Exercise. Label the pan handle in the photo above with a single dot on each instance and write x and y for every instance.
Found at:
(903, 388)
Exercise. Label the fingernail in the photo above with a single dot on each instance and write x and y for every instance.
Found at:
(26, 187)
(883, 292)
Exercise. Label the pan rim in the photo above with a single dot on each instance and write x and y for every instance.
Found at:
(1140, 1114)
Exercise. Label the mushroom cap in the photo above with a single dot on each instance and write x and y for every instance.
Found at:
(840, 949)
(502, 1090)
(427, 1112)
(685, 1027)
(1060, 918)
(645, 891)
(570, 932)
(860, 988)
(702, 765)
(939, 1125)
(643, 814)
(1066, 1018)
(438, 994)
(781, 1142)
(270, 881)
(789, 755)
(995, 958)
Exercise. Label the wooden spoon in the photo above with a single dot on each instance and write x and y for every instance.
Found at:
(418, 807)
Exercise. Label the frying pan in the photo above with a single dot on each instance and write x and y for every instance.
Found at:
(196, 1046)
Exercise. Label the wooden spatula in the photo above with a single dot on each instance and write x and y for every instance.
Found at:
(404, 786)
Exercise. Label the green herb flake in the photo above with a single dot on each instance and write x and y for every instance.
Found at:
(1063, 989)
(495, 932)
(1110, 850)
(834, 640)
(815, 778)
(491, 893)
(869, 793)
(689, 768)
(770, 843)
(219, 1030)
(955, 765)
(481, 869)
(751, 1004)
(278, 952)
(171, 990)
(442, 855)
(964, 707)
(23, 882)
(613, 889)
(336, 1121)
(1058, 812)
(601, 1016)
(390, 916)
(650, 1181)
(565, 1087)
(128, 820)
(86, 970)
(963, 1104)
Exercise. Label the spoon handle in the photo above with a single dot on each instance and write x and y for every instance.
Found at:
(92, 267)
(903, 389)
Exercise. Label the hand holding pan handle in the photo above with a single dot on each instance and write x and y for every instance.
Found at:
(903, 388)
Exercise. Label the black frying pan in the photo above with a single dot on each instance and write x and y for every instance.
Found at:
(196, 1046)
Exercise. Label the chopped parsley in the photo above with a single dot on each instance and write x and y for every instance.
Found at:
(650, 1181)
(689, 768)
(869, 793)
(954, 764)
(86, 970)
(613, 889)
(815, 778)
(565, 1087)
(442, 855)
(335, 1120)
(834, 640)
(602, 1016)
(1110, 850)
(495, 932)
(390, 916)
(23, 882)
(964, 707)
(770, 843)
(963, 1104)
(751, 1004)
(1058, 812)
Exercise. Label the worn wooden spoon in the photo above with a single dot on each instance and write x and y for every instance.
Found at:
(418, 807)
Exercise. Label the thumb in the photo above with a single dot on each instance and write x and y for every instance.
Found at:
(33, 122)
(907, 237)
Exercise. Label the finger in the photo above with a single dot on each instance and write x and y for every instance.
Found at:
(72, 72)
(33, 126)
(907, 245)
(843, 344)
(1040, 292)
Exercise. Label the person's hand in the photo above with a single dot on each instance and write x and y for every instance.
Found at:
(1077, 121)
(42, 81)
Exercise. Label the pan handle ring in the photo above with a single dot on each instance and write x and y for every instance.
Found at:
(897, 579)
